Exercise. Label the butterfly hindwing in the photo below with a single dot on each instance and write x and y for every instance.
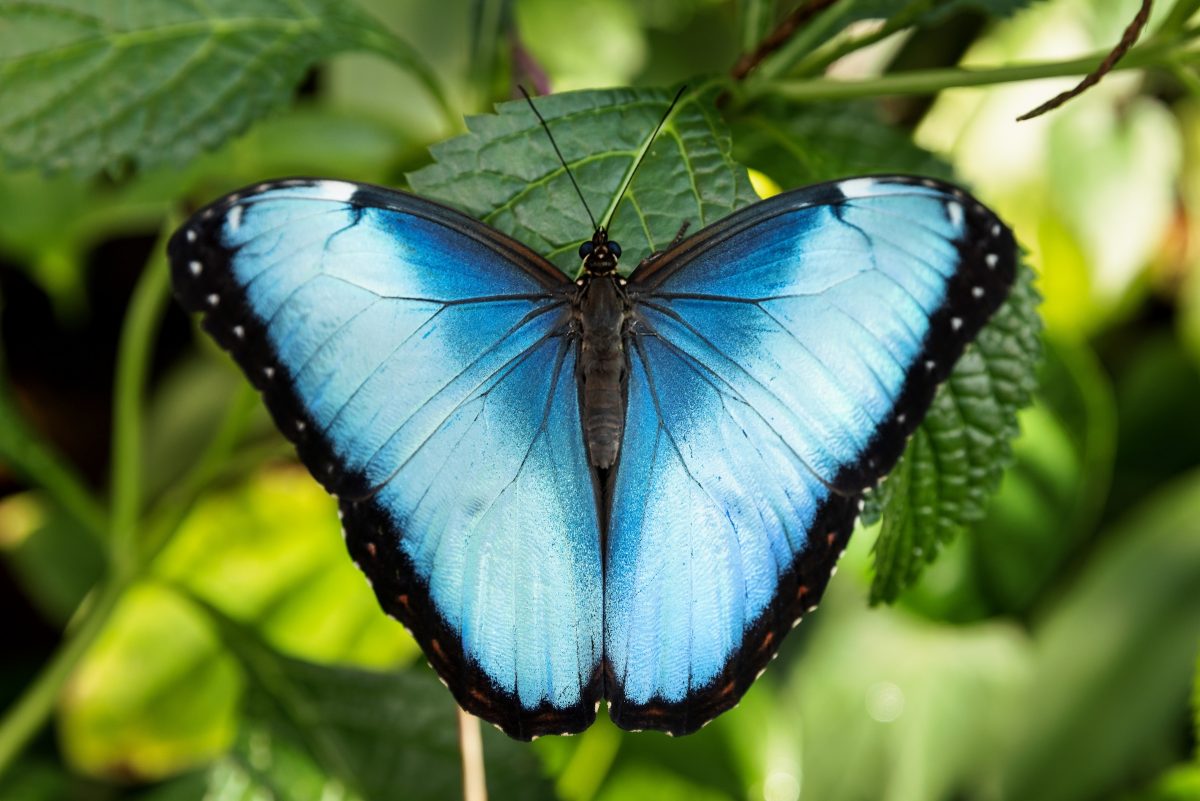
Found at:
(779, 360)
(422, 364)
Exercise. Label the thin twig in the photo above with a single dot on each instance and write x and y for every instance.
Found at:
(776, 38)
(1127, 41)
(470, 745)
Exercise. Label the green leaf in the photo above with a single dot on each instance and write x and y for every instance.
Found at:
(266, 551)
(505, 173)
(754, 21)
(644, 781)
(957, 456)
(1181, 783)
(88, 87)
(313, 732)
(919, 707)
(35, 779)
(178, 713)
(1115, 658)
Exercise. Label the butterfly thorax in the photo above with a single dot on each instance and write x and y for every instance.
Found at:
(601, 311)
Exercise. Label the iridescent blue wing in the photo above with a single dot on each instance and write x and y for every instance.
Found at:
(779, 360)
(422, 364)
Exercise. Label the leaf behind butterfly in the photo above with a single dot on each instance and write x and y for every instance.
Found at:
(504, 171)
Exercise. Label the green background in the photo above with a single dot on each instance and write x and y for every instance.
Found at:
(181, 619)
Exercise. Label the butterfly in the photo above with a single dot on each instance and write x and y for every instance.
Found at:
(622, 487)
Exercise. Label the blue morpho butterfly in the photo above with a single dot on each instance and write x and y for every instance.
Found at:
(621, 488)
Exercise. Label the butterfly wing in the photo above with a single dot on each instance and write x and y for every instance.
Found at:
(422, 364)
(779, 360)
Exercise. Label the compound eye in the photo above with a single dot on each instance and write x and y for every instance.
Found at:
(585, 250)
(614, 249)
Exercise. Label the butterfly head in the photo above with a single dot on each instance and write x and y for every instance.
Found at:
(600, 254)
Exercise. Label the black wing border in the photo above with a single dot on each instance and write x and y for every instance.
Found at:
(371, 536)
(986, 272)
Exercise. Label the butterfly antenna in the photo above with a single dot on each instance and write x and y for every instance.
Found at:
(612, 212)
(558, 152)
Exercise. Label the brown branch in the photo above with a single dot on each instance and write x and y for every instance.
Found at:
(776, 38)
(1127, 40)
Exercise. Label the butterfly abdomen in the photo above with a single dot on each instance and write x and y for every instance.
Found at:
(602, 310)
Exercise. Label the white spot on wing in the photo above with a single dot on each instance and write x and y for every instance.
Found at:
(977, 291)
(858, 187)
(335, 190)
(991, 259)
(191, 235)
(195, 267)
(956, 323)
(954, 211)
(213, 300)
(234, 219)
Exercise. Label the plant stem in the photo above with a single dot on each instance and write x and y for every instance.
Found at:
(27, 716)
(800, 43)
(470, 744)
(170, 514)
(924, 82)
(133, 363)
(1178, 16)
(819, 60)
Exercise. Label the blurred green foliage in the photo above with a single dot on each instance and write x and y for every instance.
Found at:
(184, 622)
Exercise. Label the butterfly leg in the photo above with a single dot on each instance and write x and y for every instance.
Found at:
(658, 253)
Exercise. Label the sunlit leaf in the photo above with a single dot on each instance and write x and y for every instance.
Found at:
(179, 712)
(1120, 213)
(88, 87)
(271, 552)
(505, 173)
(267, 552)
